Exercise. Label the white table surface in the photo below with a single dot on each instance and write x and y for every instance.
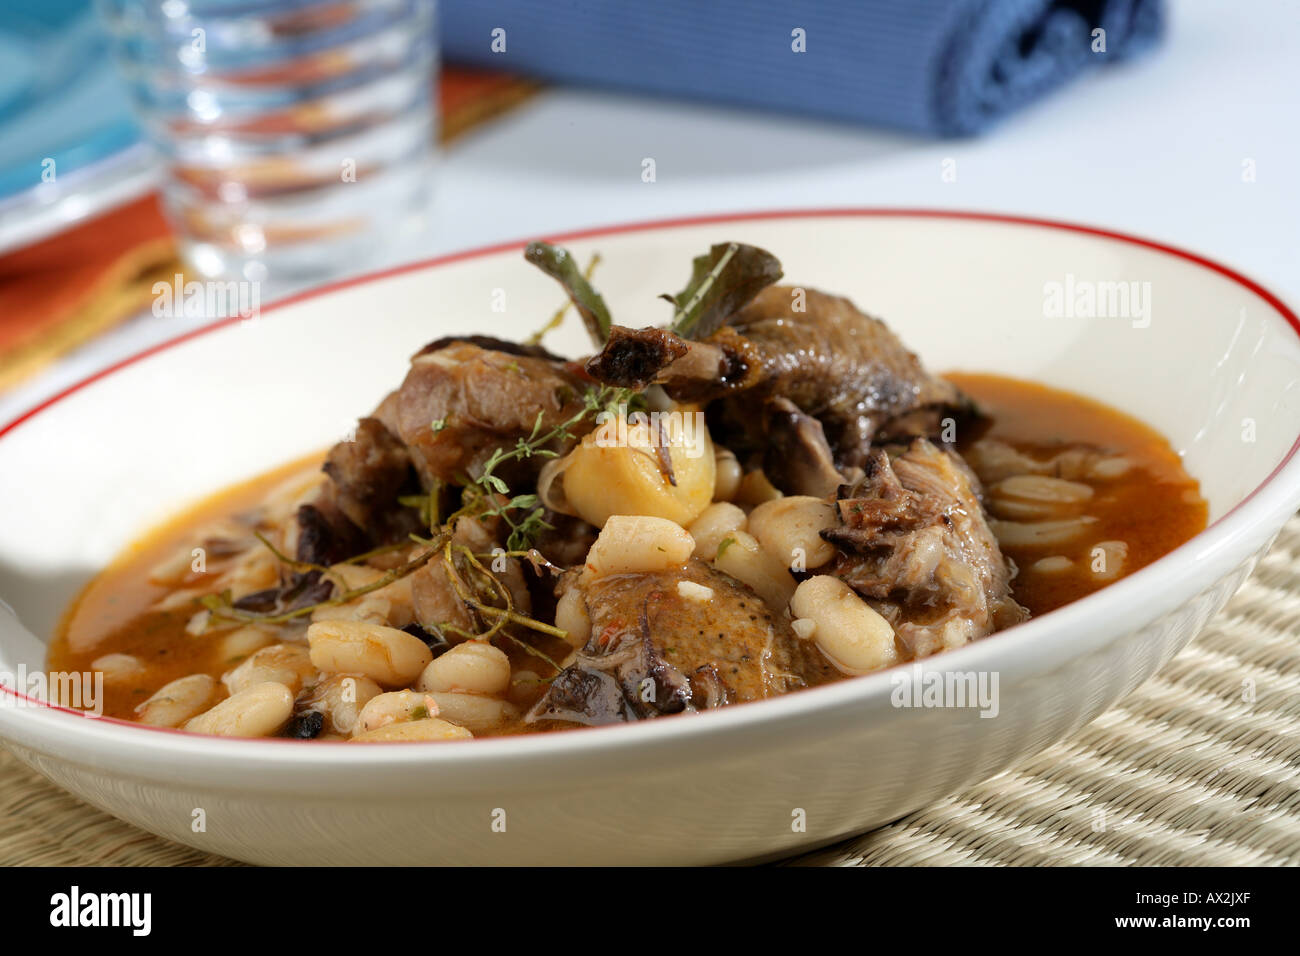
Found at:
(1155, 148)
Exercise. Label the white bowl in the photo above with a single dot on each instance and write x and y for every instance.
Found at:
(1215, 370)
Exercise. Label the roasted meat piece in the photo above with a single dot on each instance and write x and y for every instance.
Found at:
(437, 602)
(368, 472)
(465, 398)
(462, 399)
(913, 539)
(831, 361)
(797, 458)
(660, 645)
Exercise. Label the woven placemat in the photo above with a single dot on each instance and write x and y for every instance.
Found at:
(1200, 765)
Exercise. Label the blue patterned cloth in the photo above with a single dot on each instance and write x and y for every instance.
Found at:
(938, 67)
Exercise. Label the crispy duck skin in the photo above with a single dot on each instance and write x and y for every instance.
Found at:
(913, 539)
(832, 361)
(655, 651)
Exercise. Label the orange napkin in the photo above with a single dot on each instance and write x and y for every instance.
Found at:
(62, 291)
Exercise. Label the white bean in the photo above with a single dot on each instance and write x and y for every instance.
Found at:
(1052, 565)
(1017, 534)
(118, 668)
(355, 575)
(256, 571)
(430, 729)
(181, 598)
(287, 664)
(803, 628)
(713, 525)
(341, 699)
(390, 657)
(571, 616)
(727, 474)
(398, 595)
(790, 528)
(177, 701)
(474, 712)
(472, 667)
(244, 641)
(365, 608)
(1030, 497)
(852, 635)
(741, 556)
(396, 705)
(391, 605)
(174, 569)
(755, 489)
(297, 489)
(1106, 469)
(1042, 488)
(257, 711)
(629, 544)
(993, 460)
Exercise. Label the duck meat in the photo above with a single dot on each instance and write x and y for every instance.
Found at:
(676, 641)
(462, 399)
(914, 540)
(833, 362)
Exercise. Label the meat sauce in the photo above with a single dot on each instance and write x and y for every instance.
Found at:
(1139, 505)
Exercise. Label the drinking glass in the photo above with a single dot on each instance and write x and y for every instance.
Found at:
(297, 134)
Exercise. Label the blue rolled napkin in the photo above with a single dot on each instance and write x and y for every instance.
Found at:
(938, 67)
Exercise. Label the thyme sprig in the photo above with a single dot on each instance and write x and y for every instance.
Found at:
(223, 608)
(302, 567)
(555, 320)
(491, 488)
(481, 591)
(501, 616)
(429, 504)
(534, 557)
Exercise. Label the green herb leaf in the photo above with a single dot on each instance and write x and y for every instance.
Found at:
(555, 320)
(560, 265)
(476, 499)
(427, 505)
(525, 534)
(722, 282)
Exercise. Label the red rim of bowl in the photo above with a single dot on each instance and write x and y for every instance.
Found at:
(1251, 285)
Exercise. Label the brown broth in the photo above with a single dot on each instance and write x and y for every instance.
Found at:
(112, 614)
(1153, 508)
